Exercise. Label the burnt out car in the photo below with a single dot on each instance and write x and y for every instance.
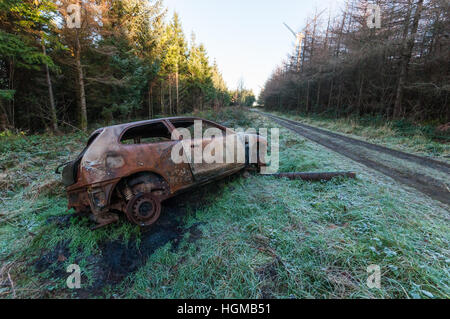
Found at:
(132, 168)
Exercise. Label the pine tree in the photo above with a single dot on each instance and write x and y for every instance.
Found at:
(21, 23)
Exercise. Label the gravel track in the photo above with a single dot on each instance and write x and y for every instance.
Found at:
(408, 169)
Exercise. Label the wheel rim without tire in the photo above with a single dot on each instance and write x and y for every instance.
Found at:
(143, 209)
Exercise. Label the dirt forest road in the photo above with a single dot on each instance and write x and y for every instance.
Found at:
(426, 175)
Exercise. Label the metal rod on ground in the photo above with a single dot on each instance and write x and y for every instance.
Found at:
(314, 177)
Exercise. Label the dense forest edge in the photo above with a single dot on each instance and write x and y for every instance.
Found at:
(346, 68)
(130, 60)
(126, 60)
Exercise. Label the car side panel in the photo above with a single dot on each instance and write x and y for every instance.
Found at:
(204, 168)
(157, 158)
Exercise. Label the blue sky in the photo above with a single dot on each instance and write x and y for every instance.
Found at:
(247, 37)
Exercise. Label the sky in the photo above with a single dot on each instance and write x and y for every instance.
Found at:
(247, 38)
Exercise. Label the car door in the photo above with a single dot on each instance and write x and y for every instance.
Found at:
(212, 150)
(149, 148)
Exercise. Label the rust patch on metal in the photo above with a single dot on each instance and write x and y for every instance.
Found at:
(128, 169)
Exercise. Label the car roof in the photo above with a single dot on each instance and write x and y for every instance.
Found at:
(125, 126)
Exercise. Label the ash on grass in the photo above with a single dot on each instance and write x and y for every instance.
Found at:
(117, 259)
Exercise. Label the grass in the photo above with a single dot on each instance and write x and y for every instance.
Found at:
(422, 139)
(247, 237)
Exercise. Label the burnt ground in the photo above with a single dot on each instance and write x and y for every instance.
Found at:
(408, 169)
(118, 259)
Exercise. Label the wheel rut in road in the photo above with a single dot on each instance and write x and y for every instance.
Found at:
(400, 166)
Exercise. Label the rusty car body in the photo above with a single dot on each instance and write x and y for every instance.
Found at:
(128, 169)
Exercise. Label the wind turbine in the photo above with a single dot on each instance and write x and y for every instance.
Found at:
(300, 36)
(299, 39)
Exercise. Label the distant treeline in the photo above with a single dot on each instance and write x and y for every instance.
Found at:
(123, 61)
(401, 70)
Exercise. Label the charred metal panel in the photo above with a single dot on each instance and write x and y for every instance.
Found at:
(108, 177)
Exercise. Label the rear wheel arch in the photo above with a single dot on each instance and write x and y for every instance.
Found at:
(154, 181)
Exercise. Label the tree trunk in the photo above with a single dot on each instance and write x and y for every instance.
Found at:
(330, 97)
(150, 100)
(162, 98)
(43, 120)
(170, 96)
(339, 100)
(318, 88)
(318, 95)
(314, 177)
(82, 97)
(307, 98)
(408, 45)
(341, 30)
(11, 87)
(304, 51)
(3, 121)
(178, 93)
(361, 86)
(54, 118)
(313, 38)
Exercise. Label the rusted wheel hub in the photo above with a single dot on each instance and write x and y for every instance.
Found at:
(143, 209)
